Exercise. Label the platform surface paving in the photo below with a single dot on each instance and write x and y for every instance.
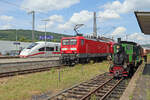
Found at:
(142, 89)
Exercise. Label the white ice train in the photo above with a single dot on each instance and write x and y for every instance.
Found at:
(41, 49)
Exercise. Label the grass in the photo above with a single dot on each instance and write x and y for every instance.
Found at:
(25, 86)
(148, 94)
(131, 97)
(148, 58)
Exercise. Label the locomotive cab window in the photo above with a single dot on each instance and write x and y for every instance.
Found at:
(129, 47)
(73, 42)
(42, 49)
(32, 45)
(65, 42)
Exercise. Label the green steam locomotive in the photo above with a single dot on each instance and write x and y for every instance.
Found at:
(126, 58)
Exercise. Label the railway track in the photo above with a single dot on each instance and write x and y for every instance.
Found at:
(20, 72)
(102, 87)
(28, 67)
(8, 57)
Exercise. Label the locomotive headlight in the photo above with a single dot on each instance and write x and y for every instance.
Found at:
(73, 48)
(64, 49)
(118, 46)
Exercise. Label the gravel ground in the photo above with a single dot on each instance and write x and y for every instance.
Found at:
(16, 60)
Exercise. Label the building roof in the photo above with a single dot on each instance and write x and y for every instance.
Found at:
(143, 19)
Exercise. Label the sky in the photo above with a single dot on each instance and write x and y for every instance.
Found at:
(115, 18)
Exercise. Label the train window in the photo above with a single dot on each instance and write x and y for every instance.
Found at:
(42, 49)
(82, 42)
(65, 42)
(47, 49)
(73, 42)
(32, 45)
(129, 47)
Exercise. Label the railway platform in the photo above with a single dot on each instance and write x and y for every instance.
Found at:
(142, 89)
(139, 87)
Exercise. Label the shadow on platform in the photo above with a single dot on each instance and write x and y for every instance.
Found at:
(146, 70)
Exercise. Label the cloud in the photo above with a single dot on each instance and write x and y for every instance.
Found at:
(6, 22)
(56, 18)
(56, 22)
(7, 26)
(82, 17)
(108, 14)
(112, 10)
(48, 25)
(6, 18)
(139, 38)
(127, 5)
(119, 31)
(52, 22)
(47, 5)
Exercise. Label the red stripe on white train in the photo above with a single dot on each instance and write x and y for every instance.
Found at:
(23, 56)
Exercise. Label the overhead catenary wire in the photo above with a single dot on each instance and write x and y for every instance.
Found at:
(13, 4)
(25, 8)
(29, 9)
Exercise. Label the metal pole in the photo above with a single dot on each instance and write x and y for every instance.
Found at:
(16, 36)
(33, 22)
(33, 26)
(94, 25)
(45, 33)
(45, 38)
(126, 37)
(16, 41)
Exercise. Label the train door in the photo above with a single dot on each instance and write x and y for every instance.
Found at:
(82, 46)
(108, 48)
(56, 51)
(86, 48)
(50, 50)
(47, 51)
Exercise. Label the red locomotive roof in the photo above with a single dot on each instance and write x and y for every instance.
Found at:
(81, 37)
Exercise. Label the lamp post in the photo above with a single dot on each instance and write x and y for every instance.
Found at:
(33, 23)
(16, 40)
(45, 20)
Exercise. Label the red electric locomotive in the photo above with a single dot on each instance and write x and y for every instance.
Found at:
(80, 49)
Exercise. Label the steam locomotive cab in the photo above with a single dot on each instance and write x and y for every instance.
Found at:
(119, 66)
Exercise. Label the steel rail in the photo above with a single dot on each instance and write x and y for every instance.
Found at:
(29, 70)
(26, 62)
(66, 90)
(20, 72)
(102, 98)
(90, 93)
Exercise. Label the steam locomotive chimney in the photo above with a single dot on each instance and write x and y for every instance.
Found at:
(119, 40)
(94, 25)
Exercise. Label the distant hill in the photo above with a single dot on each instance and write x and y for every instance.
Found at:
(26, 35)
